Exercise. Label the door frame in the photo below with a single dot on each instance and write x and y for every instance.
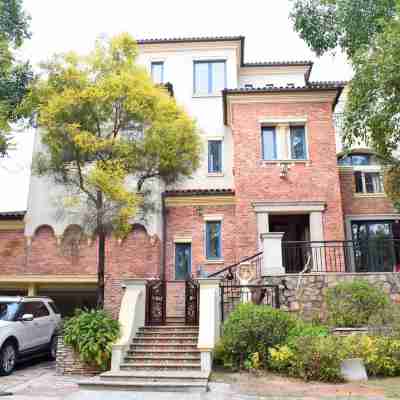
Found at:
(191, 259)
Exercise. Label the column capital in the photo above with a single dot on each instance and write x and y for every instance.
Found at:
(272, 235)
(209, 282)
(134, 282)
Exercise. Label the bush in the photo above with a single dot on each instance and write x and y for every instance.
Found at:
(303, 329)
(91, 334)
(253, 329)
(351, 304)
(309, 358)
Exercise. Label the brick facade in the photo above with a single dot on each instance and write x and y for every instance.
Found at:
(360, 205)
(257, 180)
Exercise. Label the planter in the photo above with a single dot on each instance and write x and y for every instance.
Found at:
(69, 363)
(349, 331)
(353, 370)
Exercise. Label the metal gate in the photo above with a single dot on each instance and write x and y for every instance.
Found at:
(192, 294)
(156, 302)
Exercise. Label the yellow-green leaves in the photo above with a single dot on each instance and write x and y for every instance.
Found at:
(88, 110)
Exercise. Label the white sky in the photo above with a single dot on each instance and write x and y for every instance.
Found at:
(62, 25)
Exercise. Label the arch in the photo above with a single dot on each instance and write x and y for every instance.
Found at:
(41, 228)
(71, 240)
(139, 227)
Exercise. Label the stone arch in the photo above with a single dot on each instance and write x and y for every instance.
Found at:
(44, 230)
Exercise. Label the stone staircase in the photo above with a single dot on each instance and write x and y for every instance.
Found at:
(160, 358)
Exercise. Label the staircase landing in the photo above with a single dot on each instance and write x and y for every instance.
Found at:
(160, 359)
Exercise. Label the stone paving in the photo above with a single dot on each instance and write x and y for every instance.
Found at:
(39, 381)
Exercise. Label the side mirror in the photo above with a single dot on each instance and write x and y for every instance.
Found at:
(27, 317)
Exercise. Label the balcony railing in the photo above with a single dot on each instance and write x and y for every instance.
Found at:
(375, 255)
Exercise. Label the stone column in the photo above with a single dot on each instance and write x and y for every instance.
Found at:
(272, 257)
(32, 289)
(209, 320)
(262, 227)
(317, 235)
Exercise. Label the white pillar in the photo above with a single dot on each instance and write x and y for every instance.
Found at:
(262, 226)
(272, 257)
(209, 320)
(131, 317)
(317, 235)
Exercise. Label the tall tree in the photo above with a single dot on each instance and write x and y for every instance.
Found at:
(107, 130)
(369, 32)
(15, 76)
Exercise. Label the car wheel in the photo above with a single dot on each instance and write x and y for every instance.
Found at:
(8, 358)
(53, 348)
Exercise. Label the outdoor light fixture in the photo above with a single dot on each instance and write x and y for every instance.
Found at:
(284, 169)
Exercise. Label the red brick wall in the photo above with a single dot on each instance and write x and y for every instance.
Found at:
(256, 180)
(361, 205)
(138, 256)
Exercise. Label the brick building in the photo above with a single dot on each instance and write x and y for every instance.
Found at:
(273, 162)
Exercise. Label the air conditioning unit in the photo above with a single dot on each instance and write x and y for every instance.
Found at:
(291, 85)
(248, 86)
(269, 86)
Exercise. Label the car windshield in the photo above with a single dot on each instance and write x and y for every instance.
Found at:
(8, 310)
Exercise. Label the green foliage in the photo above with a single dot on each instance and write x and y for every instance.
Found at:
(15, 76)
(352, 304)
(91, 334)
(302, 329)
(350, 24)
(253, 329)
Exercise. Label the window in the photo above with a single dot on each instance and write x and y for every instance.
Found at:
(298, 143)
(157, 72)
(214, 156)
(209, 77)
(357, 159)
(213, 240)
(269, 150)
(368, 182)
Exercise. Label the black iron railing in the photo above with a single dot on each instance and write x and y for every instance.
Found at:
(375, 255)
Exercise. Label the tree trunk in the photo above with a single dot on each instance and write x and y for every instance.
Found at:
(101, 256)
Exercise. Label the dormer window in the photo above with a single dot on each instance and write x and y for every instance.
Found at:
(209, 77)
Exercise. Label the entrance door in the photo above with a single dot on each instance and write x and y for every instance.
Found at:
(373, 248)
(183, 261)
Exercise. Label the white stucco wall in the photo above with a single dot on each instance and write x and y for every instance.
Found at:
(278, 80)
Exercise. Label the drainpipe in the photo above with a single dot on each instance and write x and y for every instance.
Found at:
(164, 237)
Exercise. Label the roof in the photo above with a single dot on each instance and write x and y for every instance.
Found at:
(237, 38)
(200, 192)
(12, 213)
(337, 86)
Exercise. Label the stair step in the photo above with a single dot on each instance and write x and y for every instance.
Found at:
(170, 326)
(155, 347)
(160, 366)
(176, 334)
(156, 356)
(156, 375)
(143, 386)
(162, 352)
(177, 338)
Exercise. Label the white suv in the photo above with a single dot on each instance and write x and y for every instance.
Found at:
(28, 327)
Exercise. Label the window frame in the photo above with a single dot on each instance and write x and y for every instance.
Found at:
(153, 63)
(220, 156)
(275, 142)
(289, 142)
(363, 182)
(209, 92)
(206, 245)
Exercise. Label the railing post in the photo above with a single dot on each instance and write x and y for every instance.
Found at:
(272, 257)
(209, 320)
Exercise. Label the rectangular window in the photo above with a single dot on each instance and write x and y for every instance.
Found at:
(269, 150)
(214, 156)
(368, 182)
(213, 240)
(209, 77)
(298, 143)
(157, 72)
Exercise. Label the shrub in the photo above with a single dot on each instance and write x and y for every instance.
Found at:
(302, 329)
(91, 334)
(351, 304)
(253, 329)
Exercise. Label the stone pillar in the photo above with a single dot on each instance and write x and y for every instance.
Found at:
(209, 320)
(272, 257)
(262, 227)
(32, 289)
(317, 235)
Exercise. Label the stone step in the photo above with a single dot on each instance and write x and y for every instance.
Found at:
(182, 362)
(142, 386)
(155, 347)
(157, 366)
(156, 376)
(162, 352)
(178, 334)
(170, 337)
(157, 356)
(170, 326)
(164, 341)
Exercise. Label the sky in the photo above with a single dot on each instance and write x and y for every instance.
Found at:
(63, 25)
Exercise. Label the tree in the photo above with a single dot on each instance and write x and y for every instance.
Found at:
(104, 126)
(369, 32)
(15, 76)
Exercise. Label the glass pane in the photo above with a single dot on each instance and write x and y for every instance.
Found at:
(298, 143)
(214, 156)
(373, 182)
(269, 144)
(217, 76)
(213, 240)
(360, 159)
(344, 161)
(157, 72)
(182, 261)
(359, 182)
(201, 77)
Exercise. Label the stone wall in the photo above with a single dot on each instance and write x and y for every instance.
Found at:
(305, 294)
(69, 363)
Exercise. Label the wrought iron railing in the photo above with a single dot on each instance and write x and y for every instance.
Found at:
(375, 255)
